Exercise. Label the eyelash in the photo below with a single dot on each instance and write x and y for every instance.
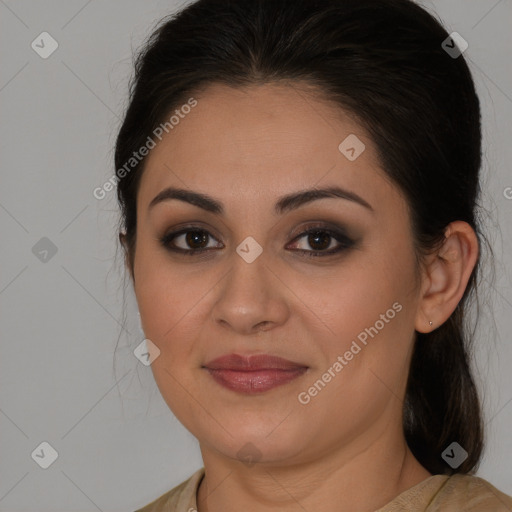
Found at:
(344, 241)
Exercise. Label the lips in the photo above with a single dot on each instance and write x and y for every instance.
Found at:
(253, 374)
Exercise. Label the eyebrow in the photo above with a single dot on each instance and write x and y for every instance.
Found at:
(284, 204)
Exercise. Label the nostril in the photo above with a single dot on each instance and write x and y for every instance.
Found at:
(262, 325)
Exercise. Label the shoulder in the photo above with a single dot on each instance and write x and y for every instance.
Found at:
(179, 499)
(471, 494)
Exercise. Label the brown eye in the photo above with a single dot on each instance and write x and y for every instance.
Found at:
(187, 241)
(319, 240)
(196, 239)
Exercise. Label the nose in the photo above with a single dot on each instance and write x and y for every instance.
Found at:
(251, 298)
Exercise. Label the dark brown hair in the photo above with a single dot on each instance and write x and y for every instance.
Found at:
(382, 61)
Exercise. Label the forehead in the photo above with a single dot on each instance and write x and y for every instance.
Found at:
(257, 142)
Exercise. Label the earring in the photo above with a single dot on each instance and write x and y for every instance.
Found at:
(430, 322)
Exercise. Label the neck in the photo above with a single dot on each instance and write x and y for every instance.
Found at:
(365, 480)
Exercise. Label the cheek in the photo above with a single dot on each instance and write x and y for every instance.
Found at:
(367, 311)
(353, 295)
(162, 291)
(160, 304)
(169, 301)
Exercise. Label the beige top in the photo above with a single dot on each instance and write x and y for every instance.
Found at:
(438, 493)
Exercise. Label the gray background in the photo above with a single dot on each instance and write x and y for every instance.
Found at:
(119, 447)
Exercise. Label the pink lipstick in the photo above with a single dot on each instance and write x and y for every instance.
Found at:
(253, 374)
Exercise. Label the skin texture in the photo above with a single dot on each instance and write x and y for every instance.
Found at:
(345, 449)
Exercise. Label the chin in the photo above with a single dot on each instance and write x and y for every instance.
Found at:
(255, 445)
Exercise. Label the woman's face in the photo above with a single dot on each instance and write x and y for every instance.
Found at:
(344, 309)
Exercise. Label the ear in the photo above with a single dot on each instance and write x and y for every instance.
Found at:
(446, 275)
